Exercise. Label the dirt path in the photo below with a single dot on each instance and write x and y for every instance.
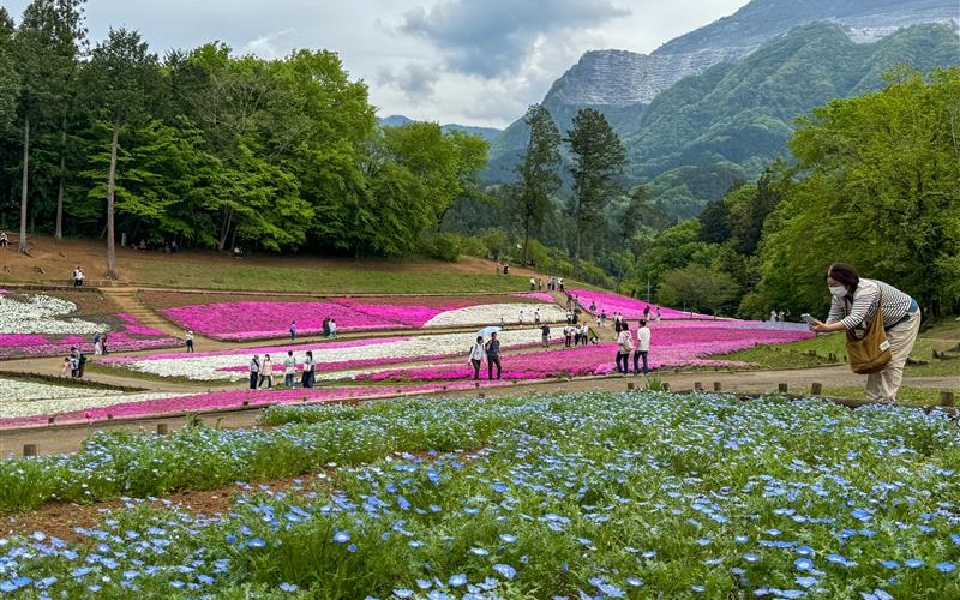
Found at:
(64, 439)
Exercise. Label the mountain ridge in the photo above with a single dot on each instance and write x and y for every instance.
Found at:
(488, 133)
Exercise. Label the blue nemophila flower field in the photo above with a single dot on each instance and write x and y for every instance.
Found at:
(574, 496)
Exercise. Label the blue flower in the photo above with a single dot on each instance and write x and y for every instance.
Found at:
(806, 581)
(505, 570)
(914, 563)
(457, 580)
(751, 557)
(256, 543)
(634, 581)
(341, 537)
(287, 587)
(890, 564)
(507, 538)
(403, 593)
(803, 564)
(946, 567)
(611, 590)
(423, 584)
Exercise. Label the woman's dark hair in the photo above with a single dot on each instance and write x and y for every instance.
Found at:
(844, 274)
(479, 339)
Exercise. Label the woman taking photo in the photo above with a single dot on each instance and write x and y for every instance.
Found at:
(853, 308)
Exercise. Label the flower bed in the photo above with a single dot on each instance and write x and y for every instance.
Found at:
(45, 325)
(96, 408)
(673, 345)
(628, 307)
(253, 319)
(586, 495)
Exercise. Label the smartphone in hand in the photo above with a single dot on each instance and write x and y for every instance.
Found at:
(807, 318)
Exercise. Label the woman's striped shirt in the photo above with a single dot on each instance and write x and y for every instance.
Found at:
(857, 314)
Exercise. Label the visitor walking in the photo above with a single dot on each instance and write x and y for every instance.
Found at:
(643, 347)
(566, 336)
(333, 329)
(254, 371)
(646, 313)
(65, 367)
(624, 346)
(289, 371)
(603, 318)
(584, 333)
(74, 366)
(533, 284)
(536, 317)
(560, 283)
(326, 327)
(103, 344)
(545, 335)
(309, 368)
(81, 364)
(540, 284)
(658, 315)
(520, 318)
(188, 336)
(97, 345)
(881, 324)
(293, 331)
(576, 336)
(493, 355)
(476, 356)
(266, 372)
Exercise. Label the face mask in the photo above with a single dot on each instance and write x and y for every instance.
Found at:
(838, 290)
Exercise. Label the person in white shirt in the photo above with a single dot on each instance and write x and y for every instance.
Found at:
(79, 277)
(624, 345)
(533, 284)
(476, 356)
(333, 328)
(266, 372)
(584, 333)
(189, 338)
(309, 367)
(560, 283)
(643, 347)
(520, 318)
(289, 371)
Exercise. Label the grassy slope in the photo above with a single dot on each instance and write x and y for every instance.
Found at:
(785, 356)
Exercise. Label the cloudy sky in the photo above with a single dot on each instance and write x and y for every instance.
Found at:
(477, 62)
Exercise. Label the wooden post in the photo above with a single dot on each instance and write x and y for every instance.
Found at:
(31, 450)
(50, 420)
(717, 386)
(783, 388)
(631, 386)
(245, 403)
(947, 399)
(936, 355)
(476, 386)
(109, 416)
(698, 386)
(163, 429)
(666, 387)
(482, 395)
(816, 389)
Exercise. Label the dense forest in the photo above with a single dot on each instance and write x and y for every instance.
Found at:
(105, 139)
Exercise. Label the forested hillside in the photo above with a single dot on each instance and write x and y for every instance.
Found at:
(207, 148)
(735, 118)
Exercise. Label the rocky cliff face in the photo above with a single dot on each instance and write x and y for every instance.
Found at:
(619, 78)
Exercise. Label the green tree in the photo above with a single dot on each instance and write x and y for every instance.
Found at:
(124, 73)
(697, 287)
(539, 179)
(9, 79)
(880, 190)
(598, 161)
(45, 49)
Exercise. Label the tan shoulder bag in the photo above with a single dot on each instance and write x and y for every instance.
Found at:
(870, 353)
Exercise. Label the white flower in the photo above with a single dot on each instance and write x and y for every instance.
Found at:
(38, 314)
(494, 314)
(27, 398)
(206, 368)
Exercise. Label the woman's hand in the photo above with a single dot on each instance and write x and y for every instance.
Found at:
(821, 327)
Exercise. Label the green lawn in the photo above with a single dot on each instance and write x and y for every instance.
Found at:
(221, 275)
(797, 355)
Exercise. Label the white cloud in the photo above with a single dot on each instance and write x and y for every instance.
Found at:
(478, 62)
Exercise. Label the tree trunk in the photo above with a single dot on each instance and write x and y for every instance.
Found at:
(58, 230)
(225, 229)
(22, 245)
(111, 190)
(526, 239)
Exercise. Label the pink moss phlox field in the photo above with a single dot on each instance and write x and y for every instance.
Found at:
(671, 346)
(134, 336)
(628, 307)
(230, 399)
(536, 296)
(250, 320)
(276, 350)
